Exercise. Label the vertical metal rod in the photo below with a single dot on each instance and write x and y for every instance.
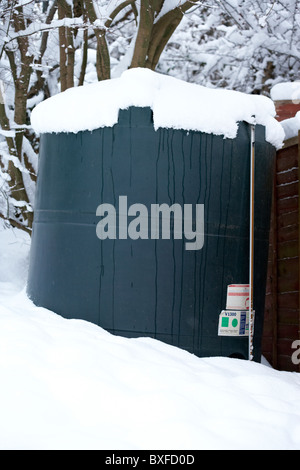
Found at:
(251, 241)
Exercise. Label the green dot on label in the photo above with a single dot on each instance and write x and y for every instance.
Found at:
(234, 322)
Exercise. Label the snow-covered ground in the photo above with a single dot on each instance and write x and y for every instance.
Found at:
(68, 384)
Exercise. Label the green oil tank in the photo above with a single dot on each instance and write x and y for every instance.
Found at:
(140, 231)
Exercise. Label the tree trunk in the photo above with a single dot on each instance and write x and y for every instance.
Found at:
(161, 33)
(16, 183)
(84, 58)
(103, 59)
(144, 34)
(21, 82)
(66, 47)
(153, 36)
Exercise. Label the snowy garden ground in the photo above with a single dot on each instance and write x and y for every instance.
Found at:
(68, 384)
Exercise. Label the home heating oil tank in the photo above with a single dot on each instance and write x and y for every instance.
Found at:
(140, 231)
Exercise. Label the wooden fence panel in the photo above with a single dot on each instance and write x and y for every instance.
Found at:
(282, 317)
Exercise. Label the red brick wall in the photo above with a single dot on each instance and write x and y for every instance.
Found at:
(286, 109)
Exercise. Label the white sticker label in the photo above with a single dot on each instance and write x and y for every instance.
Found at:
(234, 323)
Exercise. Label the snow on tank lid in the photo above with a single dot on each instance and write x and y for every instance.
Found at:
(175, 104)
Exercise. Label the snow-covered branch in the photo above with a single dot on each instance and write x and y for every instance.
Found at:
(36, 27)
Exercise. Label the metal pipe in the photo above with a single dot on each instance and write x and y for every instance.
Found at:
(251, 242)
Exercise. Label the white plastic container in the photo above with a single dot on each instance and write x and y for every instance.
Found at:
(237, 297)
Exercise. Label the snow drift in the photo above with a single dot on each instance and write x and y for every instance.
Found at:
(68, 384)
